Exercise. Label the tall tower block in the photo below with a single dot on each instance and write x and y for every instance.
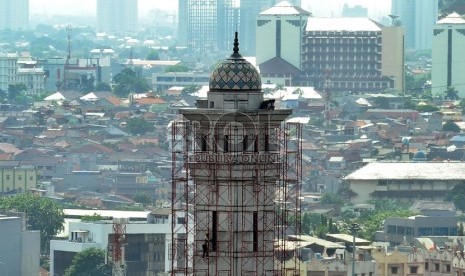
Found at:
(236, 179)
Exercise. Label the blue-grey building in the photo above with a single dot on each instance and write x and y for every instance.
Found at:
(19, 247)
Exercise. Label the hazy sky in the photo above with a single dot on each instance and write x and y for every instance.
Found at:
(376, 8)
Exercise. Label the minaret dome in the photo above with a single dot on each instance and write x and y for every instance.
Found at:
(235, 74)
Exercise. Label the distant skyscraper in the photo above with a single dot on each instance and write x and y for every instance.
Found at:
(14, 14)
(207, 25)
(117, 16)
(249, 11)
(418, 17)
(354, 11)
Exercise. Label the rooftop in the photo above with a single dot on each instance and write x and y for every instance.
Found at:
(285, 8)
(406, 170)
(453, 18)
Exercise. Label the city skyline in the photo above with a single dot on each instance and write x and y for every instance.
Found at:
(88, 7)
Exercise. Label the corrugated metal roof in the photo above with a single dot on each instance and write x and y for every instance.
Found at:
(414, 171)
(453, 18)
(285, 8)
(349, 24)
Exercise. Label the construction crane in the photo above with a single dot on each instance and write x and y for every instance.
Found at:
(117, 247)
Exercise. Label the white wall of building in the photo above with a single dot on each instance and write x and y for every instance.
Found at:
(442, 66)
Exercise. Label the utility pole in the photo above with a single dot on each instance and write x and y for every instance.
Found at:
(354, 227)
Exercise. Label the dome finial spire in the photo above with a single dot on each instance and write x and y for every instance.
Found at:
(236, 47)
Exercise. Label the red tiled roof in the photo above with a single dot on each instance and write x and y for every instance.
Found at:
(150, 101)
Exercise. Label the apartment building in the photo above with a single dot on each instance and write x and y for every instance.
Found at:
(405, 181)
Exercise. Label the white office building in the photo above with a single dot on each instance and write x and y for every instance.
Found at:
(448, 55)
(147, 240)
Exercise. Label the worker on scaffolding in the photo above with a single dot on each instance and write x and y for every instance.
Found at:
(206, 246)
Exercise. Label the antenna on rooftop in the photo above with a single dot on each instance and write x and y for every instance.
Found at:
(393, 19)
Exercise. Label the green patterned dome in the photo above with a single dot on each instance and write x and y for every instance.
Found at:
(235, 74)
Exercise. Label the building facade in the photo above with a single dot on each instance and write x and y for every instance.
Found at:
(352, 54)
(404, 230)
(418, 18)
(405, 181)
(14, 14)
(118, 17)
(279, 37)
(446, 66)
(342, 54)
(13, 70)
(20, 250)
(146, 243)
(15, 178)
(205, 25)
(57, 72)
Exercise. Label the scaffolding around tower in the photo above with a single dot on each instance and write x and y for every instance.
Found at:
(228, 159)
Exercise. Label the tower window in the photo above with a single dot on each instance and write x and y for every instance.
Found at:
(255, 231)
(245, 143)
(255, 144)
(267, 142)
(214, 235)
(204, 143)
(226, 143)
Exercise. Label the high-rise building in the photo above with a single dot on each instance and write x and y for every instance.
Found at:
(249, 11)
(448, 55)
(344, 54)
(418, 17)
(354, 11)
(236, 177)
(117, 16)
(204, 25)
(14, 14)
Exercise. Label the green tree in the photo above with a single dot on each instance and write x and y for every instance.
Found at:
(370, 224)
(451, 126)
(102, 86)
(177, 68)
(42, 213)
(128, 81)
(426, 108)
(456, 195)
(381, 102)
(15, 90)
(138, 126)
(143, 198)
(152, 55)
(451, 94)
(87, 83)
(189, 90)
(329, 198)
(94, 217)
(447, 7)
(461, 231)
(90, 262)
(459, 201)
